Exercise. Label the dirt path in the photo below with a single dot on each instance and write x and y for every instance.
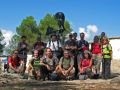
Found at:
(14, 83)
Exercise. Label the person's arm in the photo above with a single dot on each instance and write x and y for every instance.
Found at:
(60, 64)
(80, 68)
(70, 68)
(48, 44)
(10, 65)
(46, 65)
(30, 64)
(111, 55)
(90, 65)
(110, 49)
(79, 65)
(42, 63)
(27, 47)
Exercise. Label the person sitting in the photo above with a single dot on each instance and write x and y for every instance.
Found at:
(34, 66)
(48, 64)
(85, 66)
(66, 63)
(15, 64)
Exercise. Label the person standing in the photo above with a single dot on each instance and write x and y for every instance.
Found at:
(55, 45)
(82, 45)
(97, 56)
(107, 57)
(22, 50)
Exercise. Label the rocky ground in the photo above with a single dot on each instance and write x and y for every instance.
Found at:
(10, 82)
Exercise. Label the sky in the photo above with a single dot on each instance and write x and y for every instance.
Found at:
(89, 16)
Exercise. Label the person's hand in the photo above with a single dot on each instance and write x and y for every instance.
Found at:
(111, 57)
(17, 71)
(23, 46)
(48, 67)
(82, 70)
(63, 72)
(54, 71)
(66, 72)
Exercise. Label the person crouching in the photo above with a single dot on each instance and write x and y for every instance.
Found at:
(48, 65)
(66, 63)
(85, 65)
(34, 66)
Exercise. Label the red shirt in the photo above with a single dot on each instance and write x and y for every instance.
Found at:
(96, 48)
(15, 62)
(85, 62)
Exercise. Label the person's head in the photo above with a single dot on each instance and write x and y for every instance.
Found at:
(105, 40)
(102, 34)
(23, 38)
(54, 37)
(48, 52)
(74, 35)
(70, 36)
(38, 39)
(96, 39)
(86, 54)
(36, 53)
(66, 54)
(82, 35)
(15, 54)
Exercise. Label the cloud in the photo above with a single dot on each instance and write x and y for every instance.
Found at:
(89, 30)
(92, 28)
(7, 34)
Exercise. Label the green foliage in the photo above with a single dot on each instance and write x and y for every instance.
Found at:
(2, 45)
(28, 27)
(49, 20)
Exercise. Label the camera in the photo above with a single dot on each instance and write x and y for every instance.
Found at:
(60, 17)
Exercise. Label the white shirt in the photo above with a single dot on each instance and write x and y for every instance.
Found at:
(53, 45)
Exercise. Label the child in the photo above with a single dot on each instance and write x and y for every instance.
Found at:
(107, 57)
(85, 65)
(97, 57)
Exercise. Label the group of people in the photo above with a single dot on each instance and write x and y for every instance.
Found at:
(75, 59)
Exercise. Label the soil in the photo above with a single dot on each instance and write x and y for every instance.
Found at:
(9, 82)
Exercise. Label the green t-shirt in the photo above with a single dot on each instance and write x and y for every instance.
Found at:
(106, 50)
(65, 63)
(35, 62)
